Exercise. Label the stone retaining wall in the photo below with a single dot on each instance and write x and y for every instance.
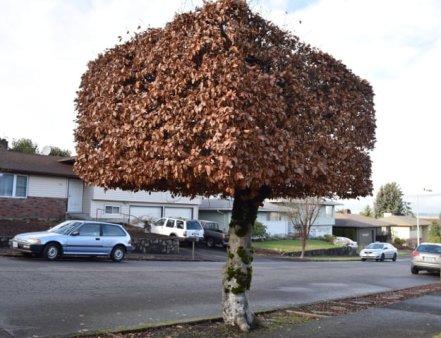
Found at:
(342, 251)
(160, 245)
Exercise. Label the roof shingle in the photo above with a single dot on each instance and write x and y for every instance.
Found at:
(22, 163)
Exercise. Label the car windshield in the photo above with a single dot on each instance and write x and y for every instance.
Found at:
(193, 225)
(375, 246)
(65, 227)
(210, 225)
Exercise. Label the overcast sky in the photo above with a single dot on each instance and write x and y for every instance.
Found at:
(394, 44)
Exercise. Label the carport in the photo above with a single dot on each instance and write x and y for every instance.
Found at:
(362, 229)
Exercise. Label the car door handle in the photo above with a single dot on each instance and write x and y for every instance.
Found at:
(97, 238)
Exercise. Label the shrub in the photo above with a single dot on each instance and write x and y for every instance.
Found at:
(329, 238)
(399, 242)
(434, 233)
(259, 230)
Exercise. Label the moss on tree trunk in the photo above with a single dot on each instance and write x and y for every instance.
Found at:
(238, 270)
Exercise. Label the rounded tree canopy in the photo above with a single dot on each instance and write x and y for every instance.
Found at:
(221, 100)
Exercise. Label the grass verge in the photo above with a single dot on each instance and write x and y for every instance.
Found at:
(291, 245)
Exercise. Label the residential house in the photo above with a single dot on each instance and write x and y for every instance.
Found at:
(220, 211)
(45, 187)
(272, 214)
(128, 206)
(362, 229)
(405, 227)
(37, 186)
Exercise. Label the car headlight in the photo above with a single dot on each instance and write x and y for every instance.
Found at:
(33, 241)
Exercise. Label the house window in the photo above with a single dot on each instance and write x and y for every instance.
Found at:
(329, 211)
(274, 216)
(111, 209)
(13, 185)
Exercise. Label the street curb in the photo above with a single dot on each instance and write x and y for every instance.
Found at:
(4, 252)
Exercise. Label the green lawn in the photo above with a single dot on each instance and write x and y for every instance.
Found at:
(291, 245)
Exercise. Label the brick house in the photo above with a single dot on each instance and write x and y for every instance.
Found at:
(36, 186)
(45, 187)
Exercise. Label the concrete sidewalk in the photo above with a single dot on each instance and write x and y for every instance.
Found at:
(418, 318)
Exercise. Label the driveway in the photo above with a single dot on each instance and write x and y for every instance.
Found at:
(40, 298)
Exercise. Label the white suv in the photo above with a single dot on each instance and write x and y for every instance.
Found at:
(182, 228)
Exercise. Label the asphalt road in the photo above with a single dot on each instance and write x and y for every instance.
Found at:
(39, 298)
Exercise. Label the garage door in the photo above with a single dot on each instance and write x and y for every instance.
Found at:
(145, 212)
(366, 236)
(178, 212)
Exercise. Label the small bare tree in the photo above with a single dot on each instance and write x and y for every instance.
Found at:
(303, 214)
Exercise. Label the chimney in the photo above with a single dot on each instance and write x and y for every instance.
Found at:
(3, 144)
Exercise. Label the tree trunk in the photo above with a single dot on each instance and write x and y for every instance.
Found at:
(238, 271)
(302, 255)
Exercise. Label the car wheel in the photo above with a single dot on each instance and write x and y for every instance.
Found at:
(210, 242)
(414, 270)
(394, 258)
(382, 258)
(51, 251)
(118, 253)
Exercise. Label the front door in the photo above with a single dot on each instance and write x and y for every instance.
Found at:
(75, 196)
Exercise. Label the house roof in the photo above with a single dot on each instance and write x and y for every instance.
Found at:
(431, 219)
(358, 221)
(22, 163)
(404, 221)
(227, 204)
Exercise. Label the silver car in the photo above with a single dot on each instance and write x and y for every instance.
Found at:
(427, 256)
(76, 237)
(379, 251)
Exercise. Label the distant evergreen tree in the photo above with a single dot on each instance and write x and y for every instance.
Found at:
(390, 200)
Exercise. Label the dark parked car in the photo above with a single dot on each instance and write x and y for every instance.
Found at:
(213, 235)
(79, 238)
(427, 256)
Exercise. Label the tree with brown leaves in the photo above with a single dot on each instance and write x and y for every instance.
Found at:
(221, 101)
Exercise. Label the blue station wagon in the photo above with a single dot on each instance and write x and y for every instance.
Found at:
(76, 237)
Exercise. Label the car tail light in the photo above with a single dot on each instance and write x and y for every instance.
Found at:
(415, 254)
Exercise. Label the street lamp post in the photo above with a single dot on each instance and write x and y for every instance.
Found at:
(418, 216)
